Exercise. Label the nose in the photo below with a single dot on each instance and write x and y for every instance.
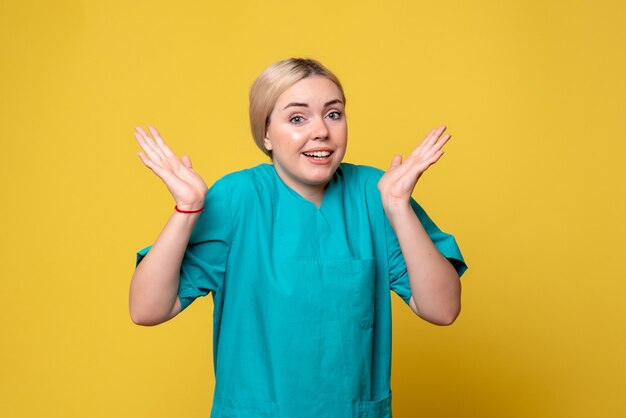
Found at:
(320, 131)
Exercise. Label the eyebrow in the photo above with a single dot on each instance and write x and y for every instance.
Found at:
(295, 104)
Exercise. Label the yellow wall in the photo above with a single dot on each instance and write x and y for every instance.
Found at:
(532, 185)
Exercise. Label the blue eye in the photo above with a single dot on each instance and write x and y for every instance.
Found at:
(296, 120)
(334, 115)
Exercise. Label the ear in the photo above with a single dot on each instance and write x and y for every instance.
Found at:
(267, 143)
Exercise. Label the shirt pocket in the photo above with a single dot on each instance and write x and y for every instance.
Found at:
(248, 409)
(375, 409)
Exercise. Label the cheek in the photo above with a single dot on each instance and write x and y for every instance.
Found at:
(286, 136)
(341, 132)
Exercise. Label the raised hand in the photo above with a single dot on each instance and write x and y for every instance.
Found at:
(397, 184)
(183, 182)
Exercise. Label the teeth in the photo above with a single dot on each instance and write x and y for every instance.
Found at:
(318, 154)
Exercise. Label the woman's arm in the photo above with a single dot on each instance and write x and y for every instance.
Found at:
(435, 285)
(154, 287)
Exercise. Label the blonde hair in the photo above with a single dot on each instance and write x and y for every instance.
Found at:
(272, 82)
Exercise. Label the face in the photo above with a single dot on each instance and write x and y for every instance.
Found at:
(307, 134)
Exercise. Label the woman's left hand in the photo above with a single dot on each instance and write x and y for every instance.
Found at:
(397, 184)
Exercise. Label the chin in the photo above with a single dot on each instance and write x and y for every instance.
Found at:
(323, 178)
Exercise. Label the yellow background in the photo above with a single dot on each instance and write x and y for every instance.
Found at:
(531, 185)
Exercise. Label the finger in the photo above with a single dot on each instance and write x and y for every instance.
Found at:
(400, 166)
(150, 142)
(440, 130)
(149, 145)
(396, 161)
(416, 171)
(419, 166)
(147, 148)
(430, 139)
(147, 162)
(432, 160)
(436, 146)
(160, 142)
(431, 133)
(442, 141)
(428, 136)
(157, 169)
(187, 161)
(433, 146)
(437, 134)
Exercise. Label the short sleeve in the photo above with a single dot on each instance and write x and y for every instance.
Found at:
(204, 263)
(445, 243)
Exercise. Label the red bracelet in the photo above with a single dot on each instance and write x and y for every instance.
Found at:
(188, 211)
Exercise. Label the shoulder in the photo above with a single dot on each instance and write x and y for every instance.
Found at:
(361, 177)
(246, 189)
(360, 185)
(246, 180)
(360, 173)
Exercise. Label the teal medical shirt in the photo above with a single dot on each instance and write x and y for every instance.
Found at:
(302, 304)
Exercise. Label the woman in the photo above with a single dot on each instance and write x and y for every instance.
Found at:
(299, 256)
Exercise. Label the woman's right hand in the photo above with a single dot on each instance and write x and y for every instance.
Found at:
(183, 182)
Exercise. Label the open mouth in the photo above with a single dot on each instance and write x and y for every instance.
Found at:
(317, 155)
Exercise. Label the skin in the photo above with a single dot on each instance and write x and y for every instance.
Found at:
(435, 285)
(153, 295)
(308, 116)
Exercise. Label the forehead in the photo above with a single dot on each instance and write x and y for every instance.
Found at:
(311, 90)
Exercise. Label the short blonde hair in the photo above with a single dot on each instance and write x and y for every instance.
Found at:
(272, 82)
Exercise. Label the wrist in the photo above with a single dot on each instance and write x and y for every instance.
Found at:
(395, 208)
(187, 211)
(189, 207)
(398, 212)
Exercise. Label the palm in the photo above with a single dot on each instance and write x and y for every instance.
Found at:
(397, 184)
(183, 182)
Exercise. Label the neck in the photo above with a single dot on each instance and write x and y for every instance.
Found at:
(312, 193)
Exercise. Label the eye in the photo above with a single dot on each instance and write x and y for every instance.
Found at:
(334, 115)
(296, 119)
